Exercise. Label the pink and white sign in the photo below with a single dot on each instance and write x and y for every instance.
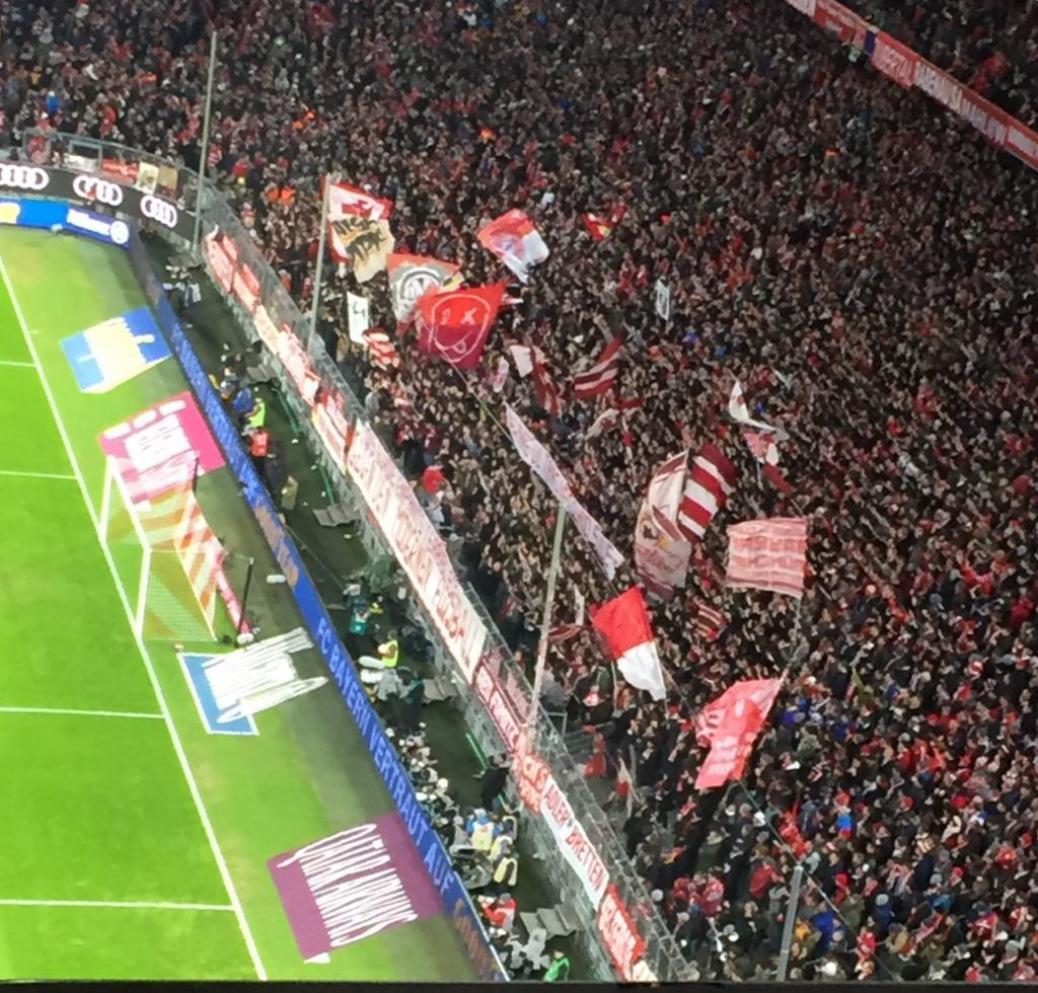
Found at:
(158, 448)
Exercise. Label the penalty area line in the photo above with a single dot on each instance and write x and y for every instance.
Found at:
(146, 659)
(66, 712)
(20, 474)
(118, 905)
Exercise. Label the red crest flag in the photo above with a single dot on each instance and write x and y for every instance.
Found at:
(455, 324)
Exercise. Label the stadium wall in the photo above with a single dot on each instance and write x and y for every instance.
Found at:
(48, 214)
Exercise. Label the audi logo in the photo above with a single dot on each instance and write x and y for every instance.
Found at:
(23, 177)
(99, 190)
(160, 210)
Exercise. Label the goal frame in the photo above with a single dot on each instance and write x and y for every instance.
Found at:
(113, 481)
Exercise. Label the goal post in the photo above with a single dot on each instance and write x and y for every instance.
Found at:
(122, 531)
(168, 558)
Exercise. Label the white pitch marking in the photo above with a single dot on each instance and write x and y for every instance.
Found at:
(149, 665)
(118, 905)
(37, 475)
(62, 712)
(13, 364)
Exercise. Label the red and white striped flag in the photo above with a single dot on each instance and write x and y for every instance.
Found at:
(381, 348)
(709, 622)
(600, 377)
(768, 554)
(544, 386)
(706, 491)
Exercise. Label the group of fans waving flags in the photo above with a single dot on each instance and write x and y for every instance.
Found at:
(452, 321)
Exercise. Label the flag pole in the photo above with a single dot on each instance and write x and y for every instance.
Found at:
(542, 644)
(789, 922)
(203, 160)
(319, 273)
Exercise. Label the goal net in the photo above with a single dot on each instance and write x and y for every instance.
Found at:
(168, 558)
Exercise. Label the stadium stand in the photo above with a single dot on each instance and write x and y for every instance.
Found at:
(864, 267)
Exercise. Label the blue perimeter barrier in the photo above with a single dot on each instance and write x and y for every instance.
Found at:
(456, 902)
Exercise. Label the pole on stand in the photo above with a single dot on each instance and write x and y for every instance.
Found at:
(789, 922)
(542, 644)
(203, 161)
(319, 273)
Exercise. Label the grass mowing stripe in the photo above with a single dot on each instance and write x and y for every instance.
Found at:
(174, 735)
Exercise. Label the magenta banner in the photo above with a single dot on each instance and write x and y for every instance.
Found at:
(158, 448)
(352, 885)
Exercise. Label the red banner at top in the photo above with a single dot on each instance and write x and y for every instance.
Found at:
(894, 60)
(844, 23)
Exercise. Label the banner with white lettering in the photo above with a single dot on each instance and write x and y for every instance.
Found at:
(395, 510)
(538, 458)
(573, 842)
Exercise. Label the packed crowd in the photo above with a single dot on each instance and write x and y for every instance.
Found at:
(863, 264)
(990, 46)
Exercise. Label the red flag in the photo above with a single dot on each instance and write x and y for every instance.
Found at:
(706, 491)
(624, 624)
(455, 324)
(730, 725)
(543, 386)
(600, 227)
(600, 377)
(774, 476)
(768, 555)
(515, 241)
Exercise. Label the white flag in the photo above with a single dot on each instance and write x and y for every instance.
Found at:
(358, 310)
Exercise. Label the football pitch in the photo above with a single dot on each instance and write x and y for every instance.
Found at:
(134, 842)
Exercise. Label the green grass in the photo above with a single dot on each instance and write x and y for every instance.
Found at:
(99, 809)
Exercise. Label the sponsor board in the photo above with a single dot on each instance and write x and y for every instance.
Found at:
(111, 353)
(18, 176)
(357, 883)
(160, 447)
(107, 188)
(214, 720)
(97, 190)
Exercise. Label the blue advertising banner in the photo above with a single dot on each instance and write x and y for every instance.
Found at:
(65, 217)
(452, 893)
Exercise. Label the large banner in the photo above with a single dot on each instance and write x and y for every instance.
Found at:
(537, 457)
(414, 540)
